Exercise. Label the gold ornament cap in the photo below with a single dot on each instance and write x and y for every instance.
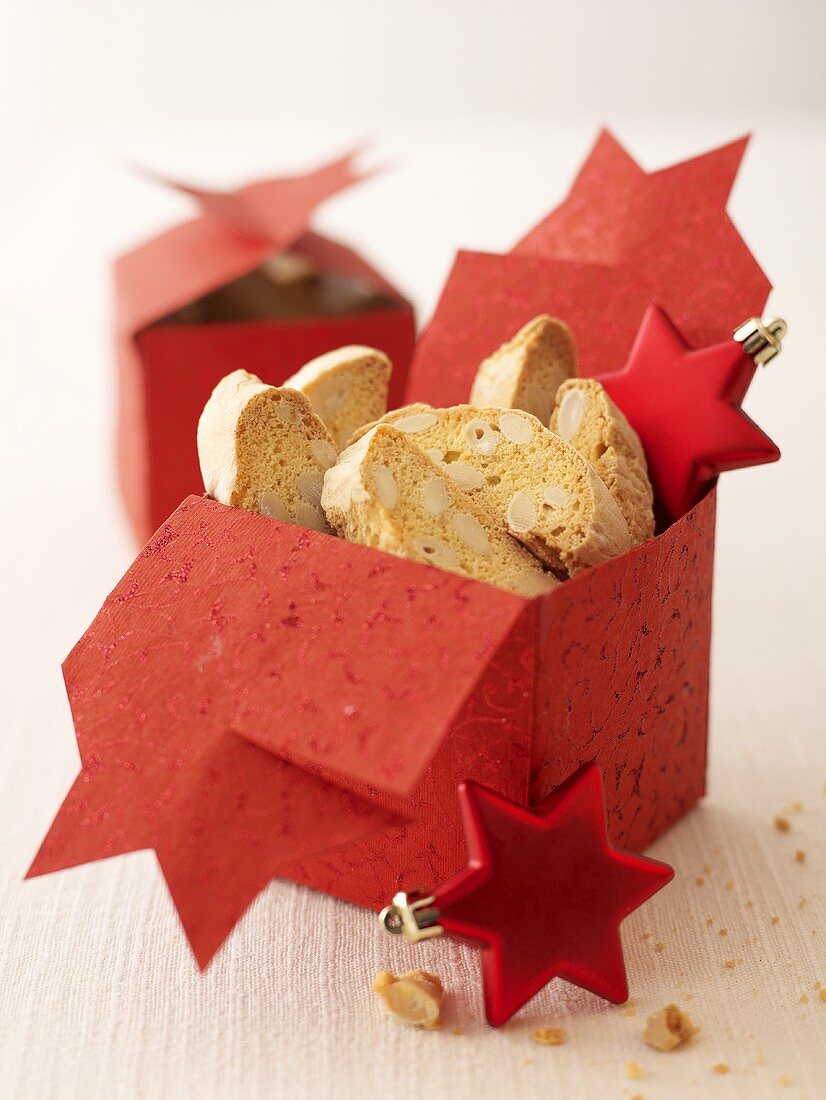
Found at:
(762, 340)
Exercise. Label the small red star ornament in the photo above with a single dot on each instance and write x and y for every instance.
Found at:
(685, 406)
(544, 893)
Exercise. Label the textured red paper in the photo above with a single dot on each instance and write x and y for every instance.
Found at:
(488, 298)
(621, 240)
(323, 701)
(544, 893)
(166, 372)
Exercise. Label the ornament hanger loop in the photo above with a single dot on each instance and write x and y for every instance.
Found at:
(413, 919)
(762, 340)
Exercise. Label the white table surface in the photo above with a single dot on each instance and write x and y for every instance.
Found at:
(99, 996)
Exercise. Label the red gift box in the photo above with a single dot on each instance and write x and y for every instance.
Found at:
(257, 700)
(205, 297)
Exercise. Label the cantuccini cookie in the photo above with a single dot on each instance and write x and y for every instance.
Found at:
(587, 418)
(526, 372)
(538, 487)
(385, 493)
(263, 448)
(347, 388)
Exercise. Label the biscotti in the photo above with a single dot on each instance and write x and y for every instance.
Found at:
(526, 372)
(386, 493)
(587, 418)
(539, 488)
(347, 388)
(263, 448)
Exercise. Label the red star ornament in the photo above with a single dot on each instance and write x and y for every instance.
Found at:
(544, 893)
(685, 407)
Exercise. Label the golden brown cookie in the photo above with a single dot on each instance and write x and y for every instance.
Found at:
(384, 492)
(347, 388)
(538, 487)
(263, 448)
(587, 418)
(526, 372)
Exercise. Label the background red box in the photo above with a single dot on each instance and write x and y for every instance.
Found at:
(166, 371)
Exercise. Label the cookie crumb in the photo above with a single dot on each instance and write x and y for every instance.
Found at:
(800, 856)
(633, 1071)
(784, 1079)
(804, 998)
(782, 824)
(775, 920)
(822, 995)
(669, 1028)
(730, 885)
(729, 964)
(659, 946)
(720, 1067)
(723, 932)
(801, 903)
(549, 1036)
(796, 806)
(707, 868)
(629, 1010)
(413, 998)
(457, 1031)
(700, 880)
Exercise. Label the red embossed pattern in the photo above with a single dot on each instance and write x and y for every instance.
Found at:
(254, 700)
(231, 632)
(623, 679)
(488, 741)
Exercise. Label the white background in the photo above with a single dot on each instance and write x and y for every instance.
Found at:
(485, 110)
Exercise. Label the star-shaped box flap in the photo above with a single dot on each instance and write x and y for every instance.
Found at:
(252, 693)
(234, 232)
(336, 658)
(622, 239)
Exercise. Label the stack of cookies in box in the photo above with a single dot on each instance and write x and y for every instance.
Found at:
(539, 477)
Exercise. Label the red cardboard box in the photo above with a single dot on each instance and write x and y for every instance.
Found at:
(243, 284)
(257, 700)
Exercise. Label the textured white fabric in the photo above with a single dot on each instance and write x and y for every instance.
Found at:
(99, 996)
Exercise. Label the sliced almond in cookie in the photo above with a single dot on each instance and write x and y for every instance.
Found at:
(587, 418)
(410, 419)
(263, 448)
(539, 488)
(526, 372)
(386, 493)
(347, 388)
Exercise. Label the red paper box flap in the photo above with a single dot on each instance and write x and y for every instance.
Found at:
(502, 293)
(236, 232)
(375, 656)
(623, 239)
